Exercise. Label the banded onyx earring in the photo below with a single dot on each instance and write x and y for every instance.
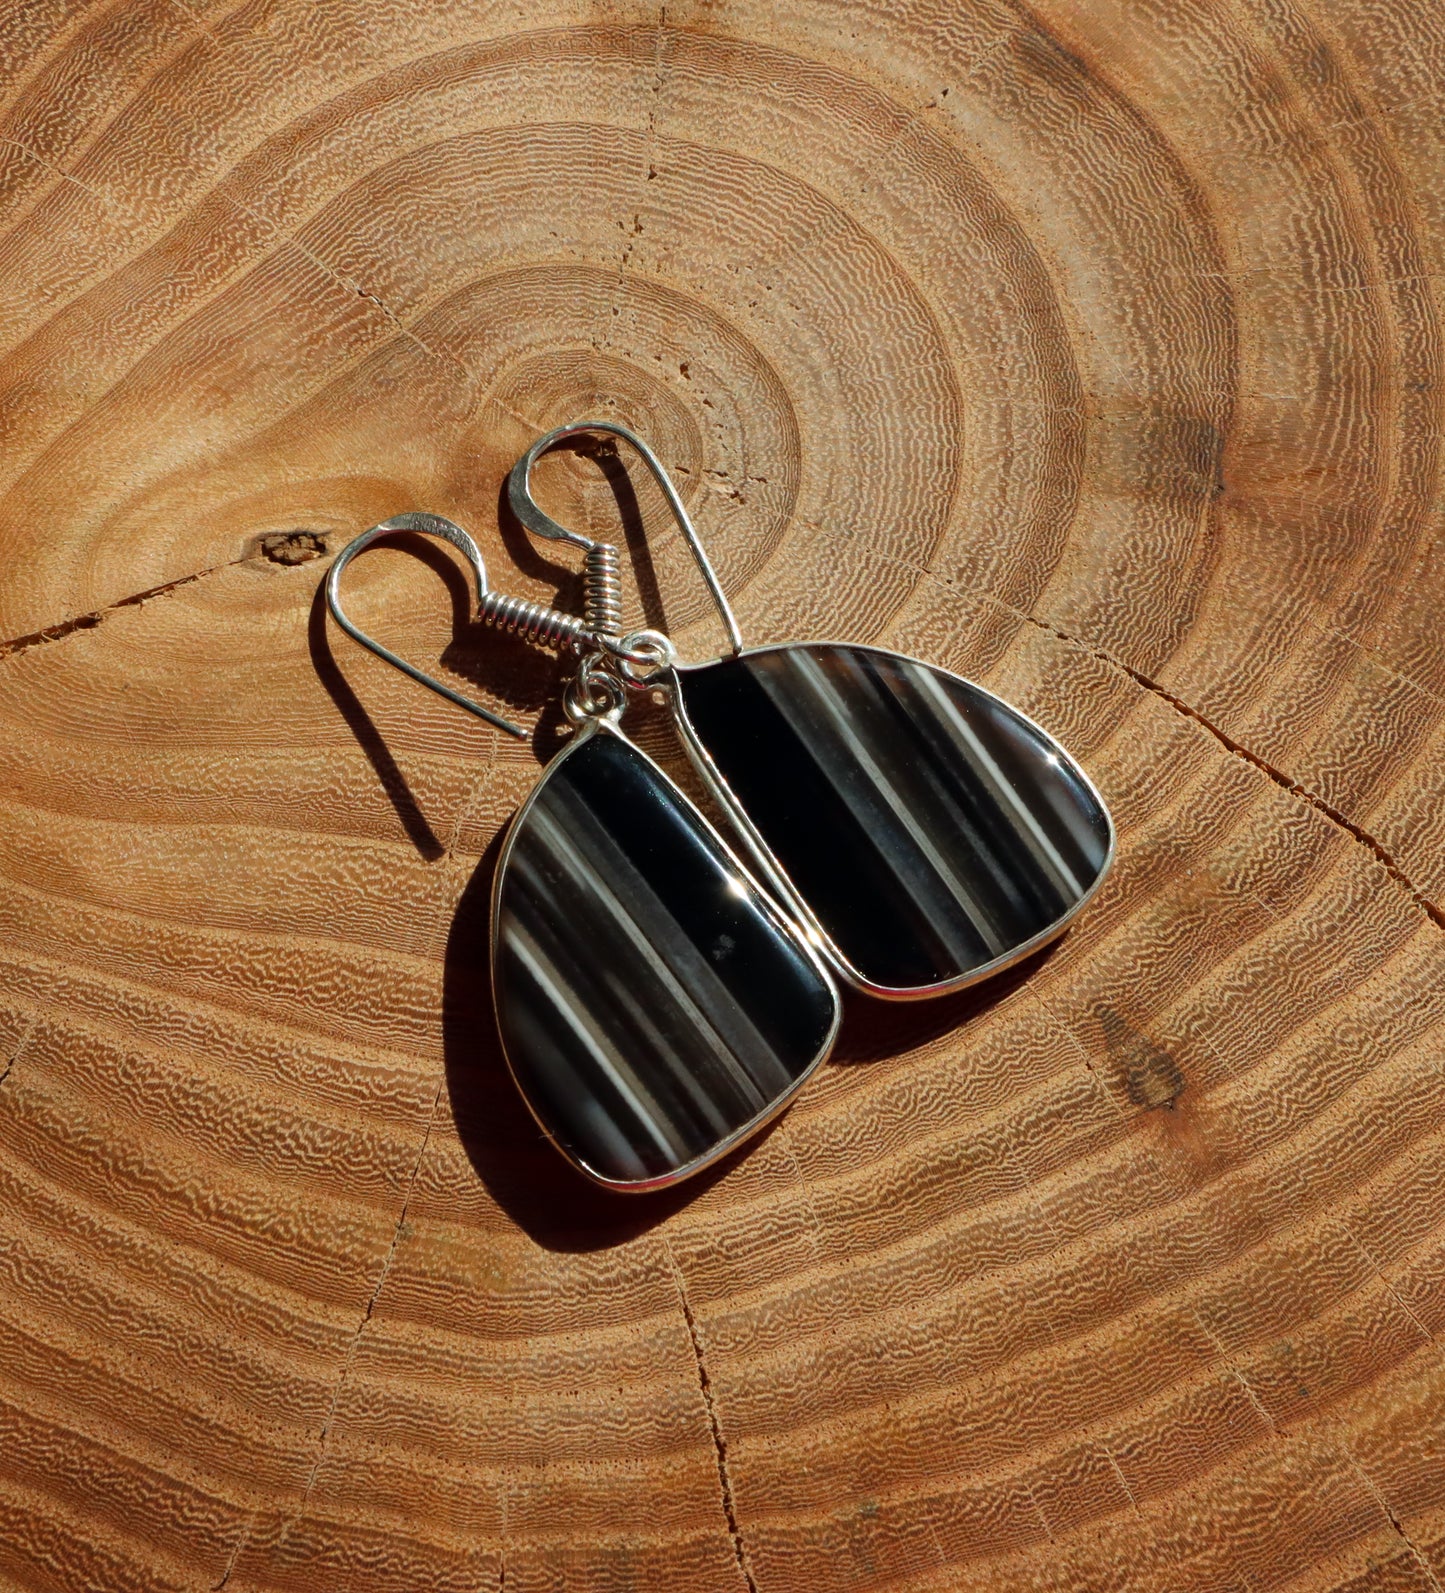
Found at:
(655, 1005)
(926, 833)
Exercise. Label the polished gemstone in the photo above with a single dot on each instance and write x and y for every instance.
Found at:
(653, 1003)
(931, 829)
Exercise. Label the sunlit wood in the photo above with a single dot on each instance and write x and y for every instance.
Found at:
(1092, 350)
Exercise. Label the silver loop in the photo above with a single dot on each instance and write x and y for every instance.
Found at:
(640, 647)
(640, 655)
(524, 506)
(431, 525)
(595, 693)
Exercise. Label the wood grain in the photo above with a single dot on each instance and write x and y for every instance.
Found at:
(1092, 349)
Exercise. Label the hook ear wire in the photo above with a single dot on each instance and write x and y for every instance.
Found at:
(432, 525)
(524, 506)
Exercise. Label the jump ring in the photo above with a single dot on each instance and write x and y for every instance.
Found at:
(640, 654)
(595, 693)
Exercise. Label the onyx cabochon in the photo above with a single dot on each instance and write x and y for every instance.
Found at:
(654, 1005)
(928, 830)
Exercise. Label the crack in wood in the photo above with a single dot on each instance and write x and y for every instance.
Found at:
(1357, 832)
(355, 1340)
(285, 236)
(20, 1045)
(633, 230)
(1379, 1273)
(720, 1447)
(86, 622)
(1381, 853)
(1396, 1524)
(60, 172)
(242, 1540)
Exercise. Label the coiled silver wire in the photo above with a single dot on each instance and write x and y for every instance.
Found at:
(550, 627)
(602, 589)
(535, 622)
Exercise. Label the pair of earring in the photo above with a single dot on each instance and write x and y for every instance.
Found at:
(902, 831)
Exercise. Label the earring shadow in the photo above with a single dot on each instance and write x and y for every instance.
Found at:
(508, 668)
(559, 1208)
(876, 1030)
(554, 1204)
(524, 549)
(527, 1177)
(393, 781)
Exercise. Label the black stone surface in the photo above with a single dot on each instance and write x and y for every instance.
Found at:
(928, 825)
(651, 1001)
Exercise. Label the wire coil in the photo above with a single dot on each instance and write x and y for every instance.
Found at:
(602, 589)
(535, 622)
(551, 627)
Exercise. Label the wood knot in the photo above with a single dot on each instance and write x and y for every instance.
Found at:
(1152, 1078)
(292, 547)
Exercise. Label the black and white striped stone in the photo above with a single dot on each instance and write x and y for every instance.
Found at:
(653, 1004)
(931, 829)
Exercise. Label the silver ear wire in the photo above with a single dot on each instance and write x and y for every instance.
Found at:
(633, 658)
(524, 506)
(534, 622)
(432, 525)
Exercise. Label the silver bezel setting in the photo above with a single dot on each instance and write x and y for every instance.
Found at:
(777, 876)
(803, 936)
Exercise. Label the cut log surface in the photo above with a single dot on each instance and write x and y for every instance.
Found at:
(1090, 349)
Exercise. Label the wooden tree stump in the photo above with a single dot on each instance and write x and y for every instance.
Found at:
(1090, 349)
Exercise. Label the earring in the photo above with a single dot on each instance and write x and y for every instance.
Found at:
(926, 833)
(655, 1006)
